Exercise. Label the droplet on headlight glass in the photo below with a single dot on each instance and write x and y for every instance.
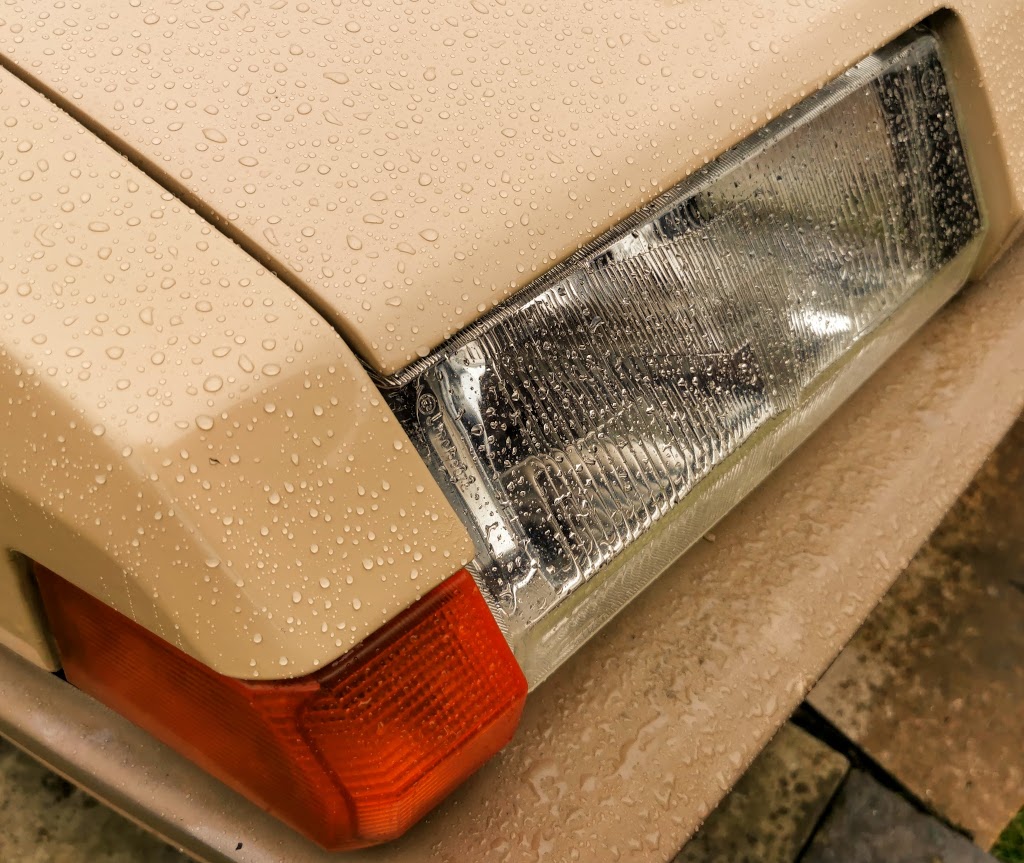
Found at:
(658, 376)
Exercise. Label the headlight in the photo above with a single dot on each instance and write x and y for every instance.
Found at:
(663, 372)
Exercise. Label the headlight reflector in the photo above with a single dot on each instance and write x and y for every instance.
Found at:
(670, 366)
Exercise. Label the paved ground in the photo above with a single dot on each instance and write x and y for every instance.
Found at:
(914, 743)
(774, 809)
(43, 819)
(869, 823)
(803, 801)
(932, 687)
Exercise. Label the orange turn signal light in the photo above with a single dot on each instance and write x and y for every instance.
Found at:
(351, 755)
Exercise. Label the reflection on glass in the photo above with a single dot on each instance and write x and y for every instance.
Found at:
(588, 407)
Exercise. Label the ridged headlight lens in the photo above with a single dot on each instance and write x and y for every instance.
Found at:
(660, 374)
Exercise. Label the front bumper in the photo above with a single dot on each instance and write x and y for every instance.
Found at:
(628, 746)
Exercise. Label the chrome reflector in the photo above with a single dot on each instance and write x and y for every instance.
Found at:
(660, 374)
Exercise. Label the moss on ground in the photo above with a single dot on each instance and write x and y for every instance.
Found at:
(1009, 846)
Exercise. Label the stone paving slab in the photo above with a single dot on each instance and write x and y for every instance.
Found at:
(771, 813)
(870, 824)
(44, 819)
(932, 686)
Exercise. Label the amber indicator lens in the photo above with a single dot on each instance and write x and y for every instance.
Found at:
(352, 755)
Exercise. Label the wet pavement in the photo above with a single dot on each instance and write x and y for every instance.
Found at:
(44, 819)
(932, 686)
(774, 809)
(868, 823)
(803, 801)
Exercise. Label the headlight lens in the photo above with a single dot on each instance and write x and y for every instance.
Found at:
(664, 371)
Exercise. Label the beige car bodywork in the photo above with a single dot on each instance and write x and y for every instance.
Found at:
(195, 92)
(183, 435)
(491, 140)
(406, 166)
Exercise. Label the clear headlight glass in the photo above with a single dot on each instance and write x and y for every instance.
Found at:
(598, 423)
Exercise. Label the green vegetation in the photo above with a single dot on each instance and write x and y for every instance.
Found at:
(1009, 846)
